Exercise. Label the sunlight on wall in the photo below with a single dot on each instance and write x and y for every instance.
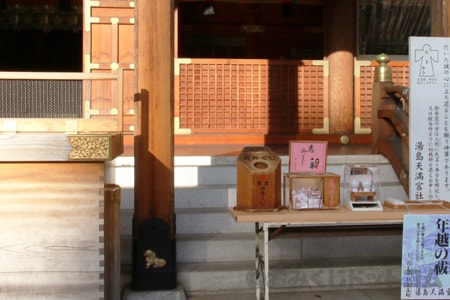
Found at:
(121, 170)
(186, 176)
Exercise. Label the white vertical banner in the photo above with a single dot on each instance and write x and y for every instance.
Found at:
(429, 132)
(425, 257)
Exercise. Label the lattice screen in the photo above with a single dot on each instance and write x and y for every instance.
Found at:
(366, 92)
(256, 97)
(400, 74)
(41, 99)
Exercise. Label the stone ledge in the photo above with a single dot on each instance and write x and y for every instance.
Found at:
(175, 294)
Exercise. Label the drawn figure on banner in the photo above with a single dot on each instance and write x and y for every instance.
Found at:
(307, 157)
(426, 56)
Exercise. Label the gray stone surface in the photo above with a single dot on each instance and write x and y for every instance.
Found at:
(215, 255)
(175, 294)
(363, 294)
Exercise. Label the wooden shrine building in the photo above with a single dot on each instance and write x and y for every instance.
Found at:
(151, 75)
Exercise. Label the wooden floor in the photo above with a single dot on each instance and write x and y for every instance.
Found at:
(234, 150)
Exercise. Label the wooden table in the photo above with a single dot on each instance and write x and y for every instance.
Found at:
(266, 220)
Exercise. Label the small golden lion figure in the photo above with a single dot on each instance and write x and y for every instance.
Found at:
(152, 260)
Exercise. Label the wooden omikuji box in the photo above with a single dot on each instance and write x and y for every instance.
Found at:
(311, 191)
(258, 179)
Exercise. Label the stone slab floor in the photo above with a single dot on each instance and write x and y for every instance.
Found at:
(363, 294)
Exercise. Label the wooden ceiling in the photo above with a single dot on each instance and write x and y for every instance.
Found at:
(302, 2)
(80, 2)
(41, 2)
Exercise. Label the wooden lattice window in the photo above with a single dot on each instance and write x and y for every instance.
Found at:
(250, 96)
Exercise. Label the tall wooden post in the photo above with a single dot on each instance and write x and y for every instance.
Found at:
(340, 46)
(438, 17)
(154, 132)
(154, 135)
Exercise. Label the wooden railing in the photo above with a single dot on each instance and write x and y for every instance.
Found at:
(218, 101)
(391, 120)
(363, 93)
(42, 102)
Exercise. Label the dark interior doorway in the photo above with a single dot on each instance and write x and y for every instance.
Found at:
(41, 35)
(284, 30)
(36, 50)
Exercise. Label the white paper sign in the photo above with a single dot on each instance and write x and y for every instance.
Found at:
(425, 257)
(429, 144)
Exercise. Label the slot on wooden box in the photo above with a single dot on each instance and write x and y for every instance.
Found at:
(258, 179)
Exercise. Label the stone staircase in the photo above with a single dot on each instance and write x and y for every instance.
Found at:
(215, 255)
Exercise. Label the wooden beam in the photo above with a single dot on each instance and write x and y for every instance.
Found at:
(60, 147)
(154, 168)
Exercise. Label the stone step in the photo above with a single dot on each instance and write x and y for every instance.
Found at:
(216, 255)
(361, 293)
(226, 196)
(196, 214)
(208, 220)
(218, 195)
(232, 160)
(223, 196)
(204, 160)
(190, 175)
(208, 173)
(194, 221)
(204, 175)
(229, 247)
(223, 247)
(240, 247)
(357, 291)
(123, 167)
(321, 274)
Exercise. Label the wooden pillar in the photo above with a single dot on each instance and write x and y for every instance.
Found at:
(154, 154)
(340, 48)
(438, 17)
(446, 13)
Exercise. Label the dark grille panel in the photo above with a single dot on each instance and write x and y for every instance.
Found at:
(41, 98)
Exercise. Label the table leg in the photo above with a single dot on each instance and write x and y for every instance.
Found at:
(266, 261)
(257, 261)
